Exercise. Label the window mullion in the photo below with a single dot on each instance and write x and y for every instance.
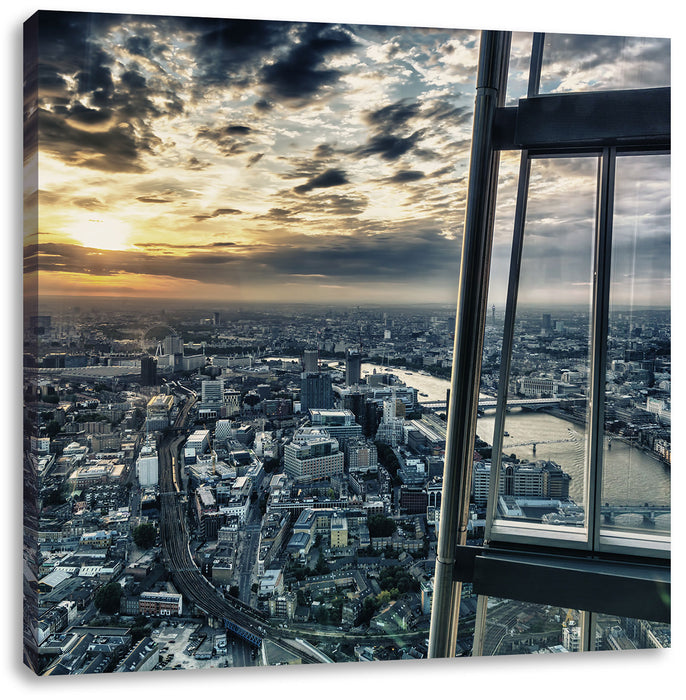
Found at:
(508, 339)
(601, 306)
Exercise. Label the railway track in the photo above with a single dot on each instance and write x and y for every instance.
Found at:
(179, 560)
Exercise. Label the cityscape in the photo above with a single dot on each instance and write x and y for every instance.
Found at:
(242, 253)
(262, 486)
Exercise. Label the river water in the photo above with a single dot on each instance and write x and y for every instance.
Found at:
(631, 476)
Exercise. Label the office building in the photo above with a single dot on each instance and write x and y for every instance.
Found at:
(311, 361)
(353, 367)
(338, 423)
(160, 603)
(148, 371)
(315, 391)
(147, 465)
(312, 455)
(158, 409)
(172, 345)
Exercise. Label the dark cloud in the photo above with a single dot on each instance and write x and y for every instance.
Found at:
(185, 246)
(89, 203)
(254, 159)
(116, 150)
(216, 213)
(231, 52)
(329, 178)
(392, 135)
(76, 82)
(88, 117)
(393, 116)
(401, 253)
(300, 73)
(389, 146)
(153, 200)
(403, 176)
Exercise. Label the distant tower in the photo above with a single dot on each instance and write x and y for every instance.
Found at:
(172, 345)
(148, 371)
(310, 360)
(353, 367)
(493, 312)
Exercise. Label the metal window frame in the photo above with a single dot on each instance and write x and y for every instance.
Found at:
(541, 127)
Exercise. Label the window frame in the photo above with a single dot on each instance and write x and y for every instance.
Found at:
(540, 126)
(655, 140)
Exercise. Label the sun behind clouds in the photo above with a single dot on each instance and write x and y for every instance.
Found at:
(101, 231)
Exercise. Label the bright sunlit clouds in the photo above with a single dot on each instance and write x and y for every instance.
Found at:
(183, 156)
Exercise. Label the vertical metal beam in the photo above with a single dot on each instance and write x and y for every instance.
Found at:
(601, 312)
(511, 303)
(535, 64)
(469, 330)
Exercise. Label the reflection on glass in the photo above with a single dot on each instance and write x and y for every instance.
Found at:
(544, 466)
(578, 63)
(518, 69)
(622, 633)
(637, 446)
(516, 627)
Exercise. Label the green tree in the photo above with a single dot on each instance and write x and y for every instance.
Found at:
(380, 526)
(144, 535)
(321, 567)
(107, 597)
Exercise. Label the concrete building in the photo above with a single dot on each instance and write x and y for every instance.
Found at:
(315, 391)
(143, 657)
(160, 603)
(353, 366)
(147, 465)
(338, 423)
(312, 454)
(158, 409)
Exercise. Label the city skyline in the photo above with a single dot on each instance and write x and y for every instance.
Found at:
(253, 161)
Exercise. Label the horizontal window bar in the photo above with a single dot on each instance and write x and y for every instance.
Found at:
(584, 120)
(579, 582)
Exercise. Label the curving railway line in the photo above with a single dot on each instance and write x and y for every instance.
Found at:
(236, 616)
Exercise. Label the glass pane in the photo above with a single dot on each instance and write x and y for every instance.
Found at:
(621, 633)
(515, 627)
(637, 448)
(582, 63)
(544, 471)
(518, 70)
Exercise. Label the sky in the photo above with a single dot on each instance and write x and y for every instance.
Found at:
(259, 160)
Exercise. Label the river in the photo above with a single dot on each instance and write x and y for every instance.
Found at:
(631, 476)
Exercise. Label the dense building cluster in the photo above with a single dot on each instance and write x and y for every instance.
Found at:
(312, 483)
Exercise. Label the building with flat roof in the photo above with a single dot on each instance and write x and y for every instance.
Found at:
(312, 455)
(160, 603)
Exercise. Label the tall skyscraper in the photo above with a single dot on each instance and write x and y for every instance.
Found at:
(315, 391)
(172, 345)
(212, 393)
(353, 367)
(148, 371)
(310, 360)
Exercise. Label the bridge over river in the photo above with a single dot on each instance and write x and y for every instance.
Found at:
(648, 511)
(489, 402)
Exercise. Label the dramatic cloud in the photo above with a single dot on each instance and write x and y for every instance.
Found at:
(177, 153)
